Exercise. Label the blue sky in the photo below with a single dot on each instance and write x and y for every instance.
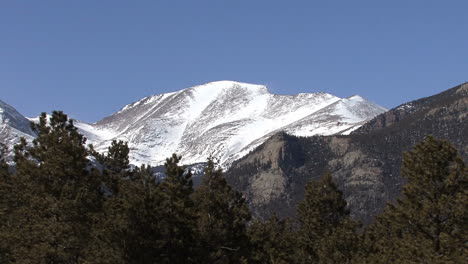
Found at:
(90, 58)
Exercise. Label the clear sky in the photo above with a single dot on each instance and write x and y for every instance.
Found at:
(90, 58)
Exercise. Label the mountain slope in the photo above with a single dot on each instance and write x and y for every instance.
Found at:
(365, 164)
(13, 126)
(225, 119)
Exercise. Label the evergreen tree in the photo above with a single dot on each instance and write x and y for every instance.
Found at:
(272, 241)
(116, 159)
(115, 164)
(177, 223)
(130, 232)
(109, 233)
(222, 217)
(326, 231)
(428, 224)
(149, 222)
(56, 197)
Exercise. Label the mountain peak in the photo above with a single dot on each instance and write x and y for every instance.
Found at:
(356, 97)
(226, 85)
(224, 118)
(13, 126)
(11, 117)
(5, 108)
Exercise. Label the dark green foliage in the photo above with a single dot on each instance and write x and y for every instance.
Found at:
(57, 209)
(116, 159)
(115, 165)
(115, 239)
(326, 231)
(58, 148)
(146, 221)
(222, 217)
(178, 220)
(6, 203)
(130, 232)
(3, 164)
(429, 223)
(56, 197)
(272, 241)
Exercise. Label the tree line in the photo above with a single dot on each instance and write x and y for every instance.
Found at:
(59, 207)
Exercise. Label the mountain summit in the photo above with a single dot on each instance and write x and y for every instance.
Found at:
(225, 119)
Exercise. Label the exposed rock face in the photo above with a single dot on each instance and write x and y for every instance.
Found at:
(365, 164)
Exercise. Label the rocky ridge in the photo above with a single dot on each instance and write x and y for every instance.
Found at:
(365, 164)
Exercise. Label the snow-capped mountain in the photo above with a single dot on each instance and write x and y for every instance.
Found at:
(224, 119)
(13, 126)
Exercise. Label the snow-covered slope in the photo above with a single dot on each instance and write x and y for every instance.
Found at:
(341, 117)
(225, 119)
(13, 126)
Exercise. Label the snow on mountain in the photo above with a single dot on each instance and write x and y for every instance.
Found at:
(341, 117)
(224, 119)
(13, 126)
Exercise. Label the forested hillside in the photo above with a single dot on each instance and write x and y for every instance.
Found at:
(59, 207)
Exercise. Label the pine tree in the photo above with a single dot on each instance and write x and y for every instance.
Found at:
(326, 231)
(115, 163)
(272, 241)
(116, 159)
(131, 231)
(428, 224)
(222, 217)
(177, 217)
(147, 221)
(56, 196)
(109, 233)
